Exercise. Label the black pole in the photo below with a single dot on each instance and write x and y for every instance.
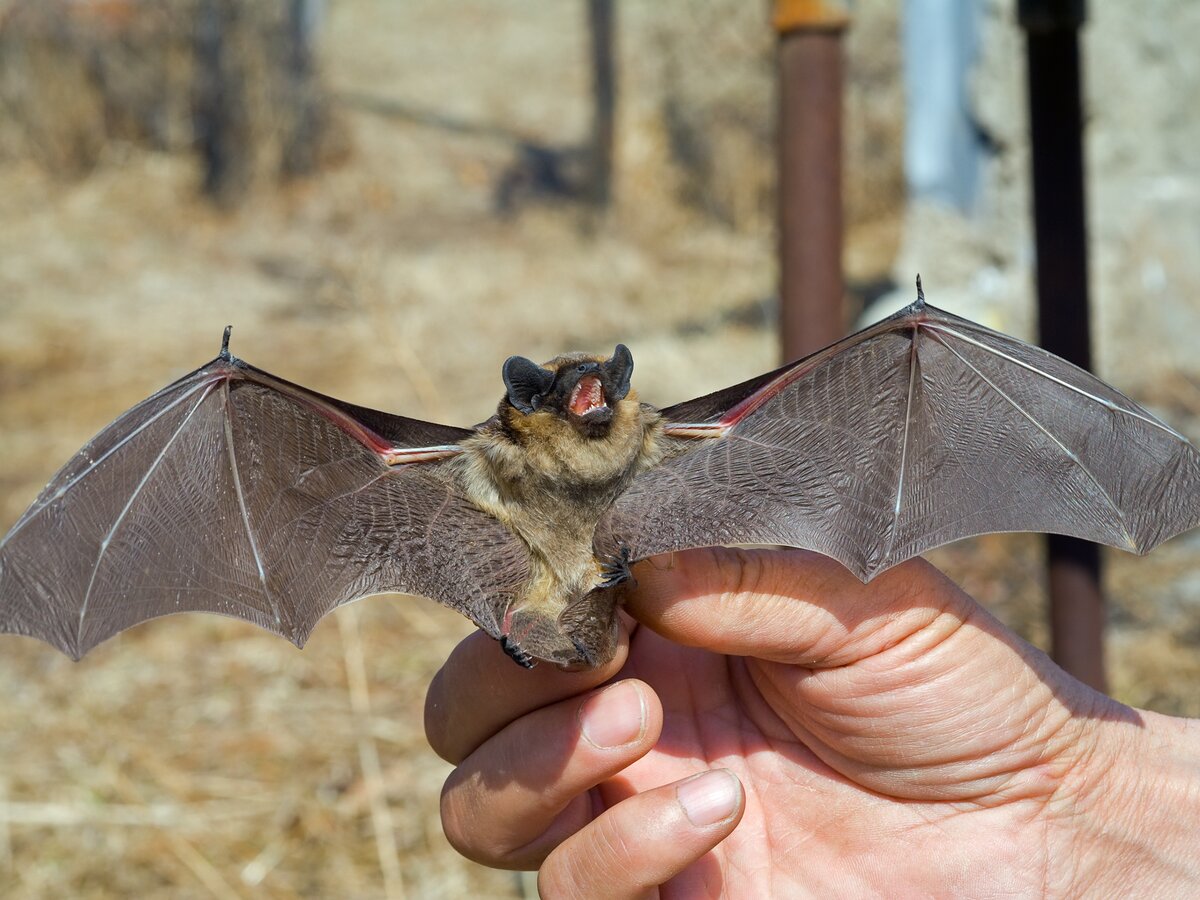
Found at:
(1059, 213)
(602, 30)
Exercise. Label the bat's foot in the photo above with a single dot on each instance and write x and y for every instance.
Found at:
(513, 649)
(616, 570)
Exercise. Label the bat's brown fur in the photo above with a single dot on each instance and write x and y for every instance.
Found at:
(550, 484)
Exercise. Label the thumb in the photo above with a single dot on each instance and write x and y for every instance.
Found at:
(789, 606)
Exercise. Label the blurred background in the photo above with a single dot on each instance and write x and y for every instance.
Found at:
(386, 199)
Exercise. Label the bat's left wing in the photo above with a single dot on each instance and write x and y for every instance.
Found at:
(920, 430)
(233, 491)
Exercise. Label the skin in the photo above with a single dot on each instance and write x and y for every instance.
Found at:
(860, 740)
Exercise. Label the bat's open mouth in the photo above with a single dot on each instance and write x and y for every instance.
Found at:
(588, 397)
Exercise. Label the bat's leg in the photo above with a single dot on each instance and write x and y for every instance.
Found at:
(616, 569)
(513, 649)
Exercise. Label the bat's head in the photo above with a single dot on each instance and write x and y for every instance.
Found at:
(583, 390)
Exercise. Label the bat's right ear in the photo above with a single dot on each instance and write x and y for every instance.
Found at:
(527, 383)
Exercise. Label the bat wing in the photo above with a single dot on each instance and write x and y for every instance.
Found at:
(235, 492)
(920, 430)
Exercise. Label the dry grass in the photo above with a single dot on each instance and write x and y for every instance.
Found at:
(201, 757)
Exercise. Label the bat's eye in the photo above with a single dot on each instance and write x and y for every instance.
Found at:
(581, 368)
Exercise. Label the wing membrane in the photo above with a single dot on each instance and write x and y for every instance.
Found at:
(918, 431)
(237, 493)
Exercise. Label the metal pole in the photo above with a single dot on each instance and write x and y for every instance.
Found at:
(1056, 132)
(810, 174)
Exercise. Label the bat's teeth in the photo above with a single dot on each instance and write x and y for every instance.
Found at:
(587, 396)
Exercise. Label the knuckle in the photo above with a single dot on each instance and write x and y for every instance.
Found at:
(613, 849)
(471, 824)
(555, 880)
(457, 822)
(487, 828)
(601, 858)
(566, 873)
(453, 701)
(437, 721)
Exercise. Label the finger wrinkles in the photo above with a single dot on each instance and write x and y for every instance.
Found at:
(646, 840)
(738, 601)
(748, 574)
(788, 606)
(469, 829)
(506, 795)
(479, 691)
(526, 789)
(609, 868)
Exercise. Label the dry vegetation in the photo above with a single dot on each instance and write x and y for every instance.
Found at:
(201, 757)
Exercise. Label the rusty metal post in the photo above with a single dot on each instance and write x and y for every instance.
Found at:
(810, 173)
(1059, 211)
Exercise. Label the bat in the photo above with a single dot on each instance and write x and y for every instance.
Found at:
(233, 491)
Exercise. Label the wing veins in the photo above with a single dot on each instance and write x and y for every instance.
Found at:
(908, 410)
(36, 510)
(1069, 453)
(1149, 420)
(331, 499)
(235, 471)
(755, 442)
(104, 544)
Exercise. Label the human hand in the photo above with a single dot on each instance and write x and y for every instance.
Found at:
(885, 738)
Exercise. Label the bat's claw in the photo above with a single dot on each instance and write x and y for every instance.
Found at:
(616, 570)
(512, 648)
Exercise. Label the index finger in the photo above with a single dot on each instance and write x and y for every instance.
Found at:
(480, 690)
(789, 606)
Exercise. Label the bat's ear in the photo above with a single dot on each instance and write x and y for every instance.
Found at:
(527, 383)
(619, 370)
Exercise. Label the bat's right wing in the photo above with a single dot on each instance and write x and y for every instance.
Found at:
(915, 432)
(235, 492)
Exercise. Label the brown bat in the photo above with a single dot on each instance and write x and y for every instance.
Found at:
(236, 492)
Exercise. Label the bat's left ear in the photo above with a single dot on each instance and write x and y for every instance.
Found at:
(619, 370)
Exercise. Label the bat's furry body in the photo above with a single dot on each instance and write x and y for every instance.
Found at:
(551, 485)
(233, 491)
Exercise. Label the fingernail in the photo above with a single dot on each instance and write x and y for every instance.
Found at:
(710, 797)
(615, 716)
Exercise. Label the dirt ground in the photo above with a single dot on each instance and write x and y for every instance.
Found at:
(197, 756)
